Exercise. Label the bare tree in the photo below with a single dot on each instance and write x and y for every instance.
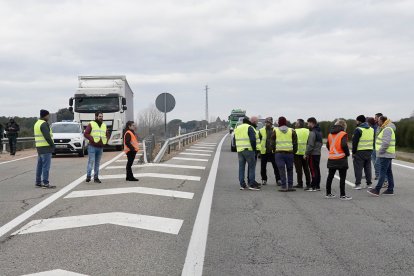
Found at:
(148, 120)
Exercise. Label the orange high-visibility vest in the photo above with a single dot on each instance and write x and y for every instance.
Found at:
(134, 142)
(335, 148)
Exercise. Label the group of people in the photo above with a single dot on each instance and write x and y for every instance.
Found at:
(373, 141)
(12, 132)
(97, 134)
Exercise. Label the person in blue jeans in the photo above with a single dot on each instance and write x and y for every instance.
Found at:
(97, 134)
(45, 147)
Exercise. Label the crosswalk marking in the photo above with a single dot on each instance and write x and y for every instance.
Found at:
(154, 175)
(198, 154)
(137, 190)
(202, 143)
(190, 159)
(199, 147)
(199, 150)
(56, 272)
(160, 165)
(158, 224)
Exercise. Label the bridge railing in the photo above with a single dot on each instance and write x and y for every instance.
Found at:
(22, 143)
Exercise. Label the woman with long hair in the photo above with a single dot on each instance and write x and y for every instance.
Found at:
(130, 148)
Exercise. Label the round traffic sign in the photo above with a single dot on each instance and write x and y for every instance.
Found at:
(165, 102)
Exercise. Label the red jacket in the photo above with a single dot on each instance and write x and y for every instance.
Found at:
(88, 136)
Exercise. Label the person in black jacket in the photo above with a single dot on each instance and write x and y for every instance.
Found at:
(12, 129)
(1, 137)
(130, 148)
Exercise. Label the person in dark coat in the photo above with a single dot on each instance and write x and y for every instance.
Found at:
(12, 129)
(1, 137)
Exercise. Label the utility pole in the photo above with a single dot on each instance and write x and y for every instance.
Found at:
(207, 103)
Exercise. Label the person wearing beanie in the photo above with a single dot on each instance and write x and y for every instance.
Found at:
(362, 147)
(45, 147)
(286, 145)
(313, 154)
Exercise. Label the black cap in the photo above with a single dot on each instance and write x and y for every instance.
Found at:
(43, 113)
(361, 118)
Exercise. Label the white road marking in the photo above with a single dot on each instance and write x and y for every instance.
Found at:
(210, 144)
(160, 165)
(154, 175)
(14, 160)
(204, 147)
(21, 218)
(194, 260)
(404, 166)
(158, 224)
(198, 154)
(199, 150)
(190, 159)
(128, 190)
(346, 181)
(56, 272)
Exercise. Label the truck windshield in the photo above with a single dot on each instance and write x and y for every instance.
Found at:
(93, 104)
(66, 128)
(235, 117)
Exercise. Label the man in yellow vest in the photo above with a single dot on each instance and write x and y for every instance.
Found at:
(301, 164)
(245, 141)
(97, 134)
(362, 147)
(385, 147)
(286, 145)
(267, 152)
(45, 147)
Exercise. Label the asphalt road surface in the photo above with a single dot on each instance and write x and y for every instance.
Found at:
(187, 216)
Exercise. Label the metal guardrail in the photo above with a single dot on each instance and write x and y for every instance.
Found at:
(182, 140)
(20, 140)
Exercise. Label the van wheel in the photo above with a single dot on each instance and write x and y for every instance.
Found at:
(82, 152)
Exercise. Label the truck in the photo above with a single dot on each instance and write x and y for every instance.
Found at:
(110, 95)
(234, 117)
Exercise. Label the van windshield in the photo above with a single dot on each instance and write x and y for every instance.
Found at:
(93, 104)
(66, 128)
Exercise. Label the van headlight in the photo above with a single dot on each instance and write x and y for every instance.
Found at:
(116, 136)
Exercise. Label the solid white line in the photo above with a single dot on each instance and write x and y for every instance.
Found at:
(346, 181)
(158, 224)
(208, 144)
(205, 147)
(160, 165)
(190, 159)
(128, 190)
(21, 218)
(196, 251)
(56, 272)
(199, 150)
(198, 154)
(154, 175)
(404, 166)
(14, 160)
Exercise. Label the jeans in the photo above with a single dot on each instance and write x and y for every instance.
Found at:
(362, 161)
(94, 158)
(268, 157)
(131, 157)
(385, 173)
(284, 163)
(43, 167)
(314, 166)
(374, 162)
(342, 177)
(249, 158)
(12, 143)
(302, 166)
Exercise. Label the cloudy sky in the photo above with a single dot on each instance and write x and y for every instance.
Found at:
(322, 58)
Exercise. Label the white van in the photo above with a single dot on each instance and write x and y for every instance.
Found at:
(68, 138)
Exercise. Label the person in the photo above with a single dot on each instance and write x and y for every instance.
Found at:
(253, 122)
(45, 147)
(245, 141)
(286, 145)
(385, 147)
(313, 154)
(362, 147)
(12, 129)
(1, 137)
(300, 162)
(131, 148)
(337, 146)
(374, 152)
(267, 151)
(97, 134)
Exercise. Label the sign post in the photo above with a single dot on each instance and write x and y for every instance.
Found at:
(165, 102)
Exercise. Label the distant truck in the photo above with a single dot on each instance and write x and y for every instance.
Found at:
(112, 96)
(234, 117)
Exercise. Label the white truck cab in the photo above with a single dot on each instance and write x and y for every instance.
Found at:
(68, 138)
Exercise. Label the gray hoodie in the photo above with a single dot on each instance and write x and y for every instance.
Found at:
(386, 140)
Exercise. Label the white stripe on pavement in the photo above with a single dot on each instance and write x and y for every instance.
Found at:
(198, 154)
(160, 165)
(209, 144)
(14, 160)
(128, 190)
(190, 159)
(205, 147)
(199, 150)
(346, 181)
(21, 218)
(194, 260)
(158, 224)
(56, 272)
(153, 175)
(404, 166)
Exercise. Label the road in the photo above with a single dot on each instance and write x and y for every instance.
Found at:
(187, 216)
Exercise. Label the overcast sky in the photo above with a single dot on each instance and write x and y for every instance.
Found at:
(326, 59)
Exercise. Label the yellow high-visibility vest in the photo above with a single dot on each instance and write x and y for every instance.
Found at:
(98, 133)
(284, 141)
(366, 142)
(391, 148)
(303, 136)
(241, 134)
(40, 140)
(263, 132)
(258, 145)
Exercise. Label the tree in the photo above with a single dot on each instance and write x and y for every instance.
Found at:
(64, 114)
(149, 119)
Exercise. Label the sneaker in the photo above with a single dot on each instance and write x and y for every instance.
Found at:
(47, 186)
(385, 185)
(283, 190)
(388, 193)
(38, 185)
(132, 179)
(97, 180)
(373, 192)
(291, 190)
(88, 179)
(264, 182)
(368, 186)
(345, 197)
(310, 189)
(243, 187)
(253, 188)
(330, 196)
(298, 186)
(357, 187)
(279, 183)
